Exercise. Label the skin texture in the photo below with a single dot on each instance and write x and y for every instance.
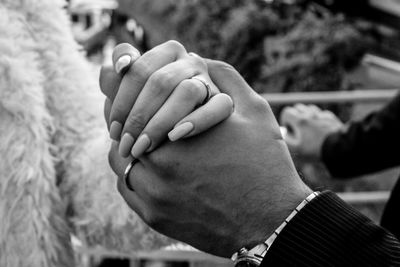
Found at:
(146, 100)
(308, 127)
(224, 189)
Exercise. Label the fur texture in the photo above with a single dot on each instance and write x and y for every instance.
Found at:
(55, 179)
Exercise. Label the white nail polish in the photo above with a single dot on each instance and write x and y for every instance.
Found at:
(193, 54)
(180, 131)
(122, 63)
(142, 145)
(284, 132)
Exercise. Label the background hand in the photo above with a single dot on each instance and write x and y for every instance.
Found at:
(224, 189)
(308, 126)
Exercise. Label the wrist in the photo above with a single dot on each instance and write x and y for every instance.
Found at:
(253, 256)
(269, 215)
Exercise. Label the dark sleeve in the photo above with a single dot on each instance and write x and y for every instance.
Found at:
(328, 232)
(366, 146)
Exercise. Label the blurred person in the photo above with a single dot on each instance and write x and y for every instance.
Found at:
(232, 190)
(357, 148)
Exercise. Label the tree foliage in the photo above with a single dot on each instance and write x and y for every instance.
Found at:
(276, 47)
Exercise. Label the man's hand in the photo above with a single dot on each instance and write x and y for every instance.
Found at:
(308, 126)
(224, 189)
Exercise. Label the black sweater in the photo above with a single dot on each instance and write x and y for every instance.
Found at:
(328, 232)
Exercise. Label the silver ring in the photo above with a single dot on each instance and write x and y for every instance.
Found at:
(127, 172)
(208, 88)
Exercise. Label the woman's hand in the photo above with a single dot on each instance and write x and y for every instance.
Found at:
(157, 94)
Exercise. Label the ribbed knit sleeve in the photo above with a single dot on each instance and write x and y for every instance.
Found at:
(329, 232)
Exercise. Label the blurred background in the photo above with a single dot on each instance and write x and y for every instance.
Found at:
(291, 51)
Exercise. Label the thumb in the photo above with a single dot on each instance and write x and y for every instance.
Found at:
(230, 82)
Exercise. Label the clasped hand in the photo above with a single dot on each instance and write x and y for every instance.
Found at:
(226, 186)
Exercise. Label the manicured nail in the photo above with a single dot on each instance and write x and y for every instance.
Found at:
(125, 145)
(193, 54)
(284, 132)
(122, 63)
(180, 131)
(115, 130)
(141, 145)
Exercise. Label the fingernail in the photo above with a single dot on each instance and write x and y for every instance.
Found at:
(125, 145)
(115, 130)
(284, 132)
(122, 63)
(141, 145)
(180, 131)
(193, 54)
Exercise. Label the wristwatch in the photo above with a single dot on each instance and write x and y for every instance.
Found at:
(250, 258)
(253, 257)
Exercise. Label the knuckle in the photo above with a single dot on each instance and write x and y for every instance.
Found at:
(162, 79)
(328, 113)
(199, 63)
(223, 65)
(261, 105)
(300, 105)
(140, 69)
(285, 112)
(118, 113)
(227, 99)
(135, 123)
(191, 89)
(175, 46)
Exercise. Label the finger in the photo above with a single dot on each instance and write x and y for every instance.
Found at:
(187, 95)
(109, 82)
(132, 198)
(290, 116)
(303, 109)
(327, 114)
(156, 92)
(314, 109)
(135, 78)
(219, 108)
(107, 110)
(123, 56)
(117, 163)
(230, 82)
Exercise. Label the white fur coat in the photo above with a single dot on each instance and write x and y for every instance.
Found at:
(54, 175)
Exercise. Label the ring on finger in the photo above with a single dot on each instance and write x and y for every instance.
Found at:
(208, 89)
(127, 172)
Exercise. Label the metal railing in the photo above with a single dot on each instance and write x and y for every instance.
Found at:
(372, 197)
(337, 97)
